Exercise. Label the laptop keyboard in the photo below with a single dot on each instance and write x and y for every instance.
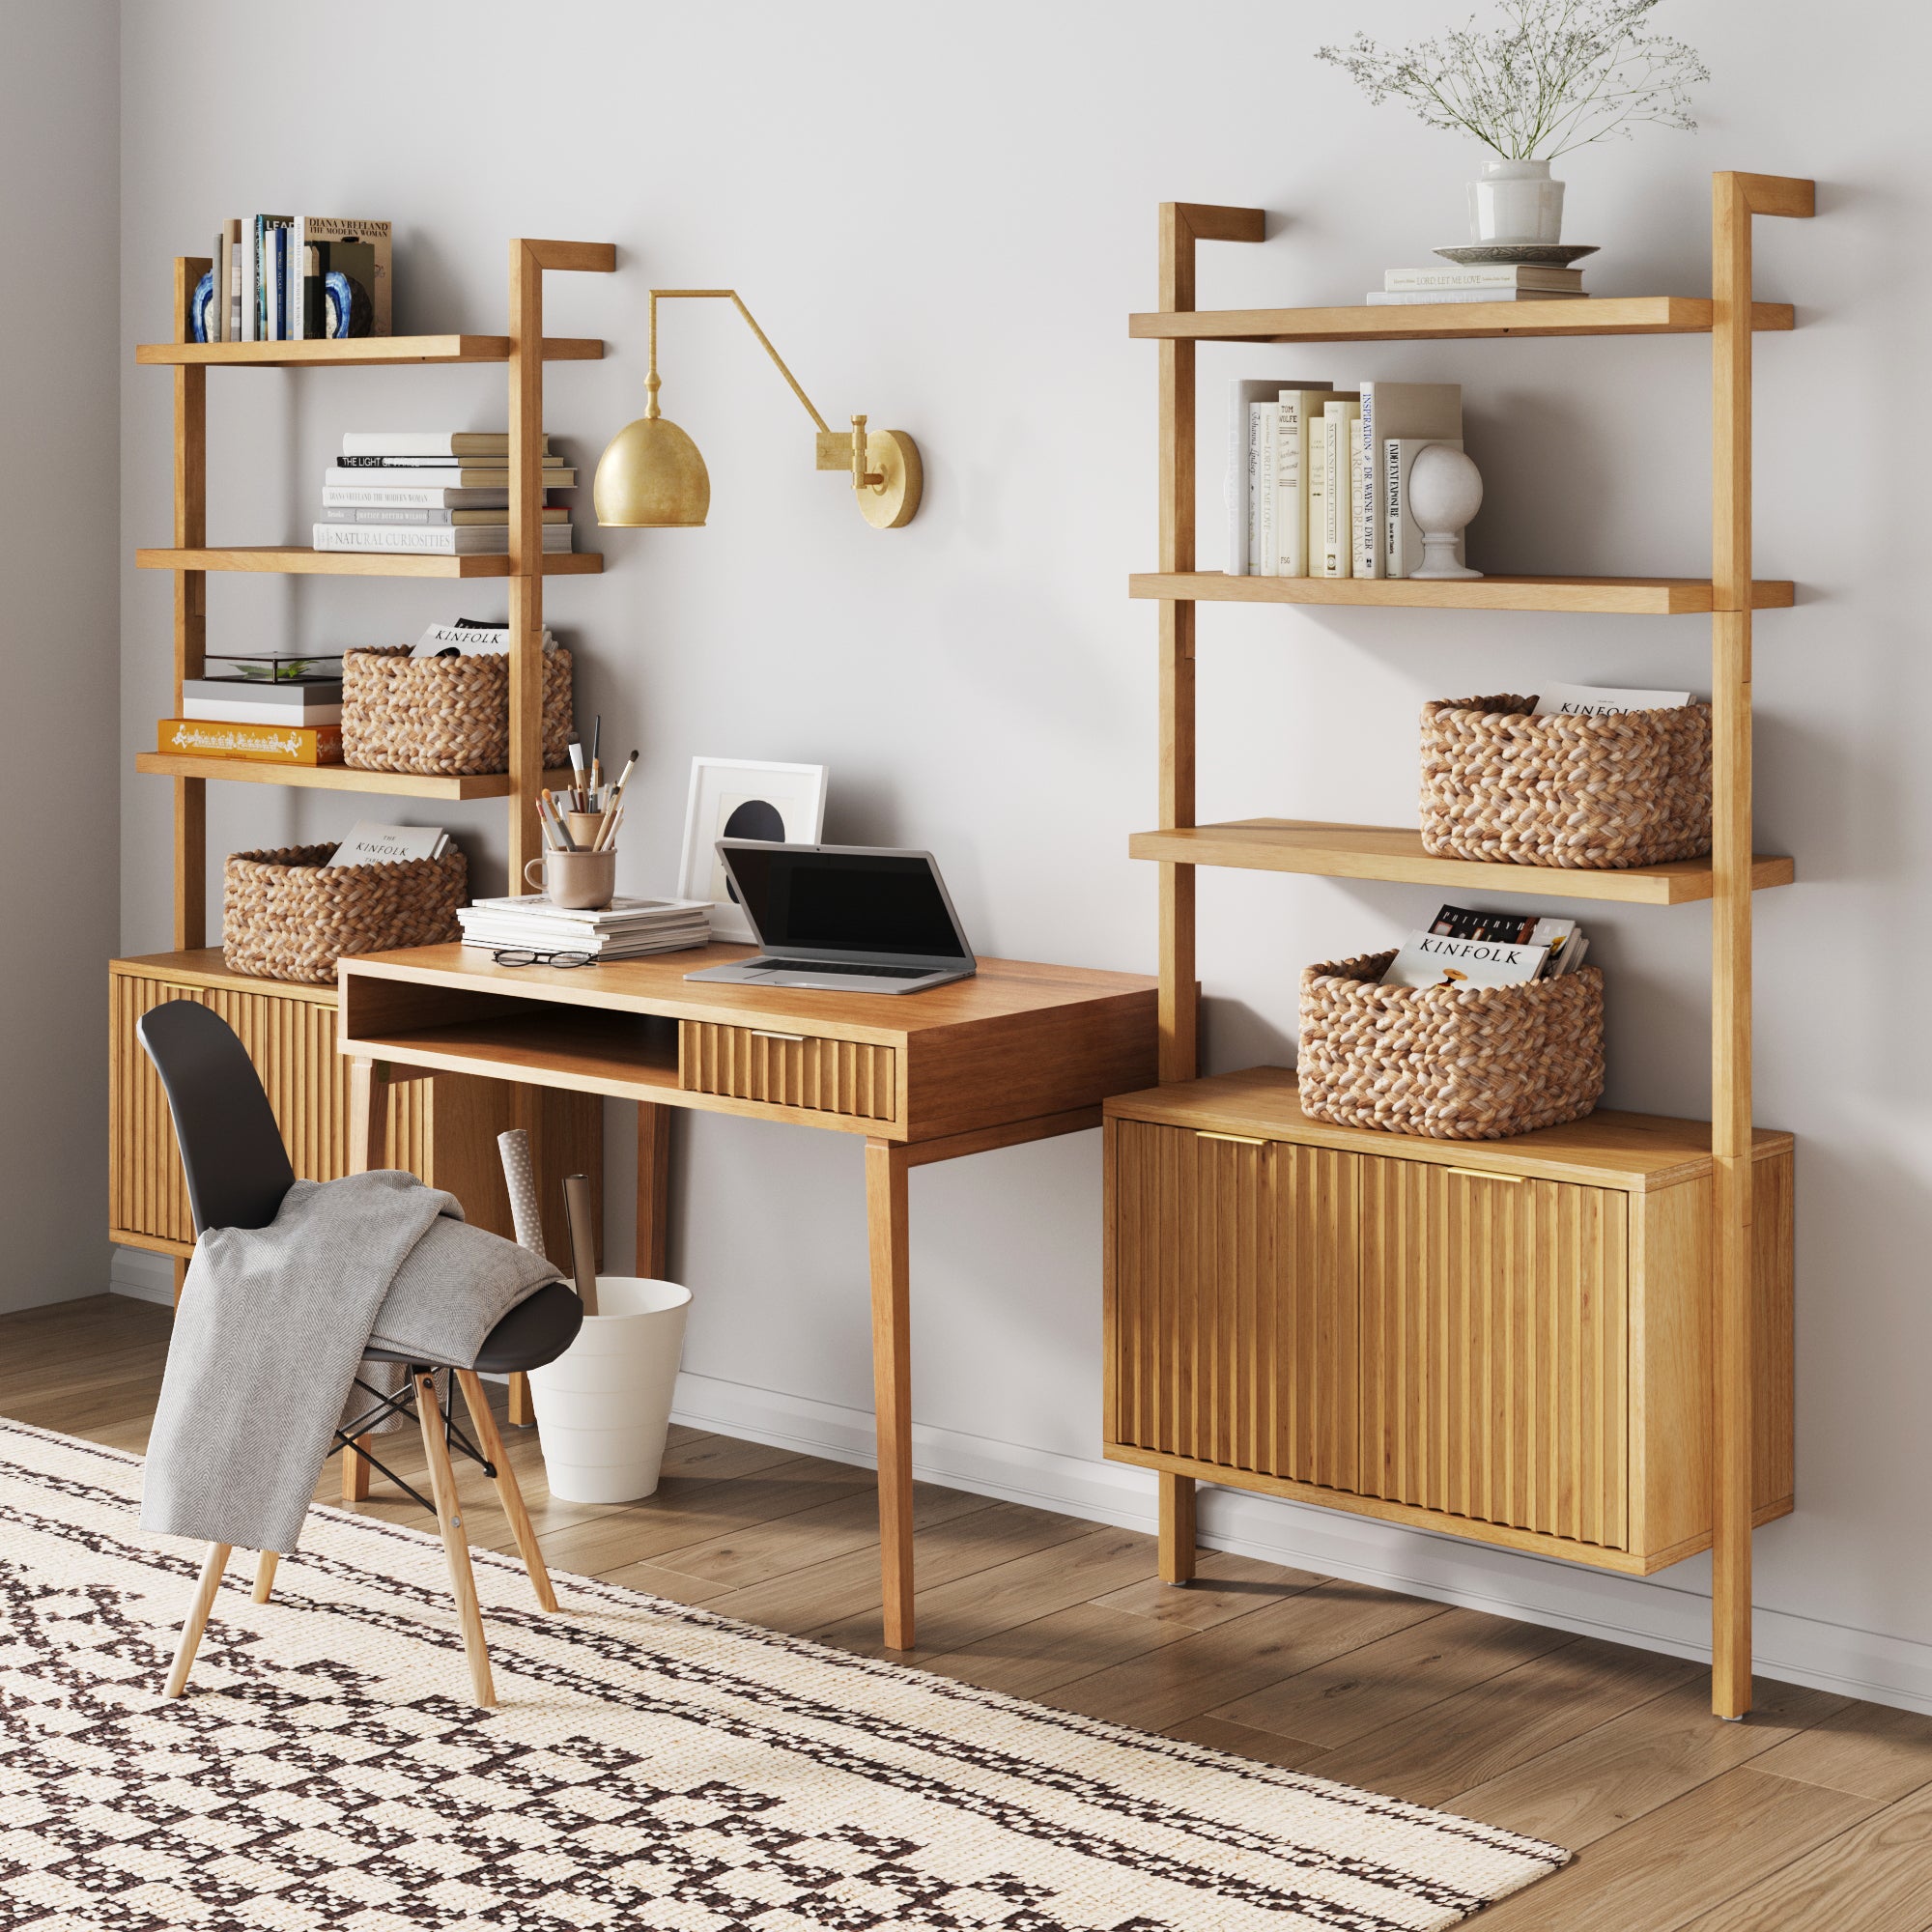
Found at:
(840, 966)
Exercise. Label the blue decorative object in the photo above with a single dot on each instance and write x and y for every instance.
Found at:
(201, 321)
(346, 305)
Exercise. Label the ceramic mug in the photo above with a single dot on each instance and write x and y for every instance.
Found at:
(577, 881)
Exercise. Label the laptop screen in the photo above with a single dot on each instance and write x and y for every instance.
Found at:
(845, 902)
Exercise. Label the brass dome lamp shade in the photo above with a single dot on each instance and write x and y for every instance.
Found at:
(652, 476)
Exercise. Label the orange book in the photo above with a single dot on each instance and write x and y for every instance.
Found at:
(273, 743)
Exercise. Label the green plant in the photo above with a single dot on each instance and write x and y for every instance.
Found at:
(1553, 75)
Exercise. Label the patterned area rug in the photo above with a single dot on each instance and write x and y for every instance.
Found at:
(651, 1765)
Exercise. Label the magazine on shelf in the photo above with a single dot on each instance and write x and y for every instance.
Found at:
(1587, 700)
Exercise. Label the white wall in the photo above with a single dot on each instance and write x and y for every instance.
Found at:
(958, 259)
(59, 771)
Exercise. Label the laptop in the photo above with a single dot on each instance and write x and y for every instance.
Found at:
(843, 919)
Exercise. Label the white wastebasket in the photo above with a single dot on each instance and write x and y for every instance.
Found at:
(604, 1404)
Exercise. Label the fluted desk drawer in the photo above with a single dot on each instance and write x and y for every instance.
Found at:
(846, 1077)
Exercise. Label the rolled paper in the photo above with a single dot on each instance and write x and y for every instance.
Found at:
(521, 1179)
(582, 1238)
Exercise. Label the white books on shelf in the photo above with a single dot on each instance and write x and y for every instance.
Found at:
(1340, 421)
(428, 443)
(1583, 700)
(1496, 275)
(433, 540)
(399, 495)
(238, 700)
(433, 460)
(1243, 393)
(1435, 959)
(1419, 297)
(1298, 412)
(389, 514)
(369, 844)
(1401, 534)
(435, 471)
(620, 912)
(1430, 411)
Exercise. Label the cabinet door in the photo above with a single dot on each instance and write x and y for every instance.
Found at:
(1232, 1301)
(1495, 1349)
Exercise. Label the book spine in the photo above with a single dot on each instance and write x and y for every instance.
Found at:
(362, 536)
(347, 497)
(297, 307)
(1261, 558)
(1395, 560)
(1317, 492)
(1236, 488)
(278, 744)
(245, 299)
(1290, 513)
(1337, 544)
(1363, 472)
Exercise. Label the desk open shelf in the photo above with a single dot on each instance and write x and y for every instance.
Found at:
(583, 1050)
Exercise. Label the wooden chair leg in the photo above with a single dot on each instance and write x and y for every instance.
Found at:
(265, 1575)
(356, 1472)
(490, 1439)
(455, 1545)
(211, 1566)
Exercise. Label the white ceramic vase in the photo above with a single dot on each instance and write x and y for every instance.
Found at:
(1516, 200)
(604, 1404)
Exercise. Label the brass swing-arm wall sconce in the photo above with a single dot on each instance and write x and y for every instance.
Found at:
(652, 477)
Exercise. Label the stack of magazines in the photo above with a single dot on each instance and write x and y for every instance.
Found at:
(624, 929)
(1462, 947)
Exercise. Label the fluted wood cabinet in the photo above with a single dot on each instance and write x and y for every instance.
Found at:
(1519, 1353)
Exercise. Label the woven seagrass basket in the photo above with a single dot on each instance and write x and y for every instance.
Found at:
(1594, 794)
(289, 915)
(444, 716)
(1452, 1062)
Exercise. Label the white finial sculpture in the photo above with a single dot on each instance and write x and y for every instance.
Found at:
(1445, 489)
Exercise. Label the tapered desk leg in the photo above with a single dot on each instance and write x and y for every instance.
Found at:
(892, 1379)
(368, 1148)
(1177, 1528)
(653, 1189)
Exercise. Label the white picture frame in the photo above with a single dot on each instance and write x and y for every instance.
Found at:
(786, 801)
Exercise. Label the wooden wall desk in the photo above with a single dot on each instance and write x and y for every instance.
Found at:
(1017, 1053)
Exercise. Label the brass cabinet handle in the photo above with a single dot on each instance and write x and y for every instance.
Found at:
(765, 1032)
(1239, 1140)
(1486, 1174)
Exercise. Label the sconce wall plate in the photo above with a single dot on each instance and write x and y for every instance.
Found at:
(893, 457)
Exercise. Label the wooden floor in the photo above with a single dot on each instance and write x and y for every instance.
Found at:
(1815, 1816)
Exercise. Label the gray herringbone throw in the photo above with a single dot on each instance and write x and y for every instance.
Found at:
(272, 1324)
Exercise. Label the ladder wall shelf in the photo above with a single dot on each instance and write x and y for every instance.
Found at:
(305, 1085)
(1462, 1336)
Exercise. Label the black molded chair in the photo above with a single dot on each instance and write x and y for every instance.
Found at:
(238, 1172)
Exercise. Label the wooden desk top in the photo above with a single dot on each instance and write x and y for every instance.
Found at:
(1000, 989)
(1017, 1044)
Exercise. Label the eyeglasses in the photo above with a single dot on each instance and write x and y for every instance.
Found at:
(519, 956)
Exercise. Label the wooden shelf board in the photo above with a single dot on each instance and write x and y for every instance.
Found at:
(362, 351)
(1449, 321)
(1619, 596)
(333, 777)
(1395, 855)
(291, 561)
(1607, 1149)
(586, 1049)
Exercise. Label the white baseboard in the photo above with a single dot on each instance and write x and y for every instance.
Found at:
(1660, 1613)
(143, 1274)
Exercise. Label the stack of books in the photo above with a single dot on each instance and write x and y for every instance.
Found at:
(624, 929)
(295, 278)
(1318, 477)
(1464, 948)
(1498, 282)
(441, 492)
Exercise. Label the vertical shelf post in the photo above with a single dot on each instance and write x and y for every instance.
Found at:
(191, 826)
(1735, 198)
(1182, 225)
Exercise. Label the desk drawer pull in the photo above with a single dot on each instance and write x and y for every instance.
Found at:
(1486, 1174)
(1239, 1140)
(765, 1032)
